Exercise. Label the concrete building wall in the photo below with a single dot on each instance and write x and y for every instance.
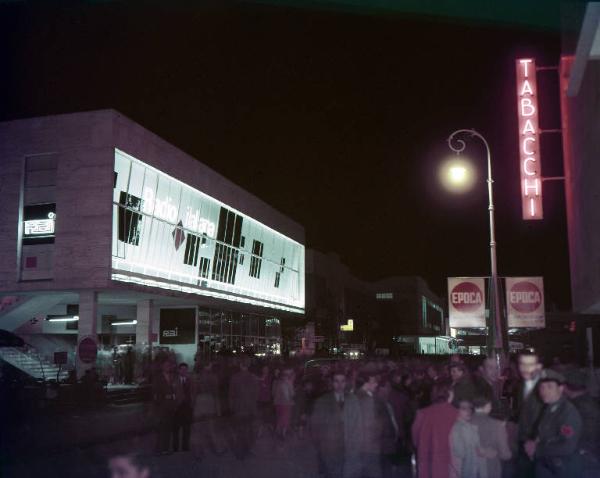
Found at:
(581, 143)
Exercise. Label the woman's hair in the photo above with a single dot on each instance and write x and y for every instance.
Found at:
(139, 460)
(441, 391)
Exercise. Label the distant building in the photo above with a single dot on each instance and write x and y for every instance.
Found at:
(355, 314)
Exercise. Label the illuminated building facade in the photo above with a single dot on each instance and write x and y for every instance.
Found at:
(116, 235)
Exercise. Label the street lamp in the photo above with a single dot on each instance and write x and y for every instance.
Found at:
(457, 173)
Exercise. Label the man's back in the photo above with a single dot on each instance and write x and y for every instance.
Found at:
(243, 393)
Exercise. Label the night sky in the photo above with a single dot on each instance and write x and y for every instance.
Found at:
(338, 118)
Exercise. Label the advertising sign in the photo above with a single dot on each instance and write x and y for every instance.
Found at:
(529, 139)
(167, 234)
(525, 302)
(177, 326)
(87, 350)
(466, 300)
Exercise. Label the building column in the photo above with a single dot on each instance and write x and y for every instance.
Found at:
(87, 329)
(143, 334)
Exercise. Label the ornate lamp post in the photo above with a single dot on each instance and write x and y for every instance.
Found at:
(495, 320)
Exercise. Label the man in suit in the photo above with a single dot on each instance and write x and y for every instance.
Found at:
(487, 384)
(183, 409)
(554, 450)
(243, 397)
(164, 405)
(527, 408)
(335, 427)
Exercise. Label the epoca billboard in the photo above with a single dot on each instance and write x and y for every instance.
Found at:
(525, 302)
(466, 302)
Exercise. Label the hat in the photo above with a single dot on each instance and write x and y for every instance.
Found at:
(550, 375)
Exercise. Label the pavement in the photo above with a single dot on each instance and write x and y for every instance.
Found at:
(78, 445)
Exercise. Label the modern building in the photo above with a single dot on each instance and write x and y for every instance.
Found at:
(350, 313)
(112, 236)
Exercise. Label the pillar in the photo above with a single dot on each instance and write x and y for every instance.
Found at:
(143, 336)
(87, 331)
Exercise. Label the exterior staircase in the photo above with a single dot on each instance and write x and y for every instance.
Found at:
(29, 361)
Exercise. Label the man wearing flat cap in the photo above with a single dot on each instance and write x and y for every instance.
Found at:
(555, 450)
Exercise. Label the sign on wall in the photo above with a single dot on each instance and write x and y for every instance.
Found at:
(529, 136)
(167, 234)
(466, 302)
(525, 302)
(177, 326)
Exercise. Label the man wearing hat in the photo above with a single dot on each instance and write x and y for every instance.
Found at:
(555, 450)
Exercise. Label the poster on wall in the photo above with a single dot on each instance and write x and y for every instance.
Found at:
(525, 302)
(177, 326)
(466, 302)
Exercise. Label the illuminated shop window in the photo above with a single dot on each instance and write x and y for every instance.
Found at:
(256, 259)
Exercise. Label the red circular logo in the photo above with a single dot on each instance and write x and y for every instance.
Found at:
(466, 297)
(525, 297)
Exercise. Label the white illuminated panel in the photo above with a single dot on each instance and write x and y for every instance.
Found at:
(40, 227)
(167, 234)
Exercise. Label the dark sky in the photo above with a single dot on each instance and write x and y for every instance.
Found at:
(336, 118)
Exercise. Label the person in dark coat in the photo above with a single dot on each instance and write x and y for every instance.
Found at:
(487, 384)
(555, 450)
(243, 397)
(527, 408)
(164, 405)
(182, 423)
(589, 409)
(431, 433)
(335, 427)
(374, 421)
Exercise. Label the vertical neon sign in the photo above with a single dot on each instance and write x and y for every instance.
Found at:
(529, 145)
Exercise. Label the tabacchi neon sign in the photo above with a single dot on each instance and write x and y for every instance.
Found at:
(529, 135)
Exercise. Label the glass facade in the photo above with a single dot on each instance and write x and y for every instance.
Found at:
(223, 332)
(167, 234)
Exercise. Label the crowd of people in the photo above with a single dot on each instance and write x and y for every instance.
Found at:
(387, 418)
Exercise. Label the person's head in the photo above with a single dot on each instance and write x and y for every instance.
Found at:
(465, 410)
(244, 364)
(369, 382)
(530, 365)
(433, 372)
(128, 465)
(166, 366)
(442, 392)
(489, 369)
(183, 369)
(338, 382)
(457, 371)
(482, 405)
(551, 387)
(288, 374)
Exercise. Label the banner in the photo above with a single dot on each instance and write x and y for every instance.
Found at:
(525, 302)
(177, 326)
(466, 302)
